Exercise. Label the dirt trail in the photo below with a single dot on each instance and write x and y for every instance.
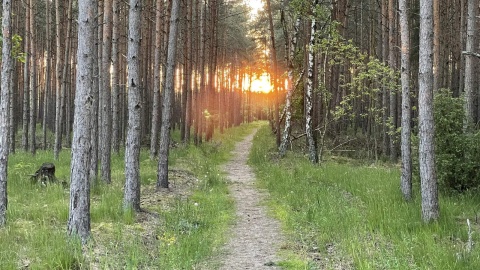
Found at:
(255, 237)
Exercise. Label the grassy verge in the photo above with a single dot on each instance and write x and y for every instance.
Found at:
(340, 215)
(187, 225)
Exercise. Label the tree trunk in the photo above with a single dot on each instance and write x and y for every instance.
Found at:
(131, 197)
(274, 73)
(428, 179)
(162, 181)
(406, 177)
(436, 45)
(95, 105)
(26, 84)
(106, 109)
(79, 214)
(392, 60)
(33, 81)
(58, 80)
(469, 65)
(46, 100)
(384, 108)
(156, 80)
(6, 84)
(290, 54)
(312, 149)
(115, 77)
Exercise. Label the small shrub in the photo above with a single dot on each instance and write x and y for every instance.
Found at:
(457, 152)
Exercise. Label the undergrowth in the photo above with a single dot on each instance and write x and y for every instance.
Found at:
(344, 216)
(179, 236)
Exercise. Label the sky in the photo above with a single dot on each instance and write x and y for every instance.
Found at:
(256, 5)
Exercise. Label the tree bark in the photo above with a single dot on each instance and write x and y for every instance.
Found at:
(406, 177)
(312, 149)
(6, 84)
(33, 81)
(79, 213)
(156, 80)
(26, 84)
(46, 100)
(162, 180)
(131, 199)
(95, 105)
(290, 48)
(428, 179)
(115, 77)
(469, 65)
(106, 108)
(274, 73)
(392, 60)
(58, 81)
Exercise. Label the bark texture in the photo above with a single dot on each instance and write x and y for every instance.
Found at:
(156, 81)
(7, 69)
(312, 149)
(469, 64)
(406, 177)
(131, 197)
(79, 214)
(106, 108)
(428, 179)
(162, 180)
(290, 48)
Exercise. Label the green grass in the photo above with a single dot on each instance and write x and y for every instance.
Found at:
(344, 214)
(183, 234)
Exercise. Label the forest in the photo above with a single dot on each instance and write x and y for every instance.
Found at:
(360, 117)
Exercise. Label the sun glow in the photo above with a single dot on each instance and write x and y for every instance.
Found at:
(255, 5)
(261, 84)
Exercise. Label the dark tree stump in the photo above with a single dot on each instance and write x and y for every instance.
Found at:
(45, 173)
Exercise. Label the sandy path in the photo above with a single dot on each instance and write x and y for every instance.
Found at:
(255, 237)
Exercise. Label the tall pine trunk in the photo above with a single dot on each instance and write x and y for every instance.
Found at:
(106, 108)
(131, 197)
(115, 77)
(428, 179)
(469, 64)
(79, 213)
(33, 81)
(406, 177)
(156, 80)
(6, 84)
(162, 180)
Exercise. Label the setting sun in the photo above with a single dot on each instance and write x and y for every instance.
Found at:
(261, 84)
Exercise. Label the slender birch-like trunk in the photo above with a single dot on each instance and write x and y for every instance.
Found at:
(312, 149)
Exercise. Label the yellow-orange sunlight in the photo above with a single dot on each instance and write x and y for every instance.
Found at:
(261, 84)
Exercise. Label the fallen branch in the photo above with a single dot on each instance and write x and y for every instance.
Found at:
(333, 149)
(471, 53)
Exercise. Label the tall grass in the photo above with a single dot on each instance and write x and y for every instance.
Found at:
(354, 216)
(182, 235)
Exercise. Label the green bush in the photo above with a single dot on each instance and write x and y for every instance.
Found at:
(457, 152)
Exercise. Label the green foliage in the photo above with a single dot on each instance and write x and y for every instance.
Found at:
(457, 152)
(17, 52)
(354, 217)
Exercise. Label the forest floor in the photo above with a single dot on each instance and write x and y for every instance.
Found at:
(255, 237)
